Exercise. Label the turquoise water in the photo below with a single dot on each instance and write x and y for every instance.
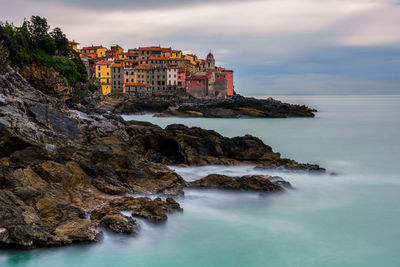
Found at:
(351, 219)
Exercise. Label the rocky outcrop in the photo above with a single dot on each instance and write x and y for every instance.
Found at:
(45, 79)
(239, 106)
(262, 183)
(185, 105)
(66, 174)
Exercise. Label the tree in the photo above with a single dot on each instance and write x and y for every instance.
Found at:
(60, 40)
(38, 27)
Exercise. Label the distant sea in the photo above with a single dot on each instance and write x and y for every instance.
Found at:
(350, 219)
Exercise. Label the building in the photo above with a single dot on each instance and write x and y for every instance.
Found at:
(117, 78)
(197, 86)
(182, 77)
(159, 81)
(138, 89)
(73, 45)
(103, 73)
(130, 75)
(100, 51)
(172, 76)
(143, 74)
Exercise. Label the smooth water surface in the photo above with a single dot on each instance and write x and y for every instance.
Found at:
(351, 219)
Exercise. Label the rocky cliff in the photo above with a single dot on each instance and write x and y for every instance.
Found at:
(65, 174)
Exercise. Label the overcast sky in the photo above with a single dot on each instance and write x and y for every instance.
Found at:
(274, 46)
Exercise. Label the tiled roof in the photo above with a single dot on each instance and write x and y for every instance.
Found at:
(91, 47)
(73, 42)
(144, 68)
(105, 63)
(116, 65)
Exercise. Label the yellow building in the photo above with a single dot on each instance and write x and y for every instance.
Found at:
(74, 46)
(100, 51)
(176, 54)
(103, 73)
(171, 53)
(117, 48)
(191, 57)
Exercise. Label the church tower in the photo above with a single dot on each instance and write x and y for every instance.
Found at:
(210, 62)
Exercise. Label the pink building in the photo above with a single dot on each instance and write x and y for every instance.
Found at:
(182, 77)
(197, 86)
(229, 80)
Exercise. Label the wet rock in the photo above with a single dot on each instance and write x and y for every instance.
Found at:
(251, 183)
(238, 106)
(114, 220)
(153, 210)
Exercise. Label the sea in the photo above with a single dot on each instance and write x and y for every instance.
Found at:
(351, 218)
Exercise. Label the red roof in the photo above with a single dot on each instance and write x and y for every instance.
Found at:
(105, 63)
(73, 42)
(92, 47)
(137, 84)
(162, 58)
(116, 65)
(152, 48)
(144, 68)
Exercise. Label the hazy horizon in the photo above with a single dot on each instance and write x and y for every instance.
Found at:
(282, 47)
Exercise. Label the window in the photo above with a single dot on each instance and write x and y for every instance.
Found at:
(127, 73)
(98, 67)
(108, 74)
(127, 80)
(99, 74)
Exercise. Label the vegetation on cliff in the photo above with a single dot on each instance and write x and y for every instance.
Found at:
(33, 43)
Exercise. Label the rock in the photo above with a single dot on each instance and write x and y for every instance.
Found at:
(114, 220)
(249, 183)
(239, 106)
(65, 174)
(153, 210)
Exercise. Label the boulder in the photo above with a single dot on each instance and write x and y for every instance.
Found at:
(263, 183)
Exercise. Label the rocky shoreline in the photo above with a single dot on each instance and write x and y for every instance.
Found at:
(66, 174)
(239, 106)
(184, 105)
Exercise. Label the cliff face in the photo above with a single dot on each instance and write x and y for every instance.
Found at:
(65, 174)
(46, 79)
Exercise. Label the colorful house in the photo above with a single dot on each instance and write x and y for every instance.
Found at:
(182, 77)
(143, 74)
(197, 86)
(117, 78)
(103, 73)
(74, 46)
(100, 51)
(172, 76)
(130, 75)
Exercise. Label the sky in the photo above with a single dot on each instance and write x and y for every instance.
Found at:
(275, 47)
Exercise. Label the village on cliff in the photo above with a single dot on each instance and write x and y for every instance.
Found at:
(155, 71)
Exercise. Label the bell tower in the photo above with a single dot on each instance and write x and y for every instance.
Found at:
(210, 61)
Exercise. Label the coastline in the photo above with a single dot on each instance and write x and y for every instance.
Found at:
(66, 175)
